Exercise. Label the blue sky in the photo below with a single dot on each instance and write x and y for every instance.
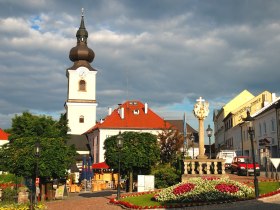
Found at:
(167, 53)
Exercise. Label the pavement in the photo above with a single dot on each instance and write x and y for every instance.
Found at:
(100, 200)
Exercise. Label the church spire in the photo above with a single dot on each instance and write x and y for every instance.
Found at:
(82, 33)
(81, 55)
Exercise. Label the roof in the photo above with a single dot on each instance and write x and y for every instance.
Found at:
(4, 135)
(179, 124)
(80, 142)
(132, 115)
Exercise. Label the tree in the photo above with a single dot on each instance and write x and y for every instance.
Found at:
(139, 153)
(171, 141)
(55, 155)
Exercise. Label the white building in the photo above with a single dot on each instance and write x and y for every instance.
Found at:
(129, 116)
(266, 125)
(4, 137)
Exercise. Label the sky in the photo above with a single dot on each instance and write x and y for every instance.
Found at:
(166, 53)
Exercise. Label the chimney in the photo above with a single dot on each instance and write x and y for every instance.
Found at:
(109, 111)
(122, 113)
(273, 97)
(146, 108)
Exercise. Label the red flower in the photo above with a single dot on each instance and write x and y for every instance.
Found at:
(183, 188)
(227, 188)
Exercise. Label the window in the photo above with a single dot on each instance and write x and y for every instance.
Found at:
(81, 119)
(82, 85)
(273, 125)
(264, 128)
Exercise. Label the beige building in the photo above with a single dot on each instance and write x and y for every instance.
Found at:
(220, 115)
(230, 131)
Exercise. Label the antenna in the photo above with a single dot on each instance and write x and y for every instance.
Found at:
(82, 10)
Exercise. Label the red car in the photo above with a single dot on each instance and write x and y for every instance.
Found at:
(243, 166)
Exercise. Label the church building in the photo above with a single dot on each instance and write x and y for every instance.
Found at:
(81, 96)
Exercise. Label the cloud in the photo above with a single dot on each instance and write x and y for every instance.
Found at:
(165, 53)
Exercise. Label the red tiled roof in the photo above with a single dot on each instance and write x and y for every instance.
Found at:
(3, 135)
(134, 118)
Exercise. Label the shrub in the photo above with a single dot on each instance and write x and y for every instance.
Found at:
(165, 176)
(9, 194)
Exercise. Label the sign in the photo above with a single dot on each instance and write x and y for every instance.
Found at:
(37, 181)
(145, 183)
(60, 192)
(275, 162)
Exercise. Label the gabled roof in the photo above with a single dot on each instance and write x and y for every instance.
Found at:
(80, 142)
(132, 115)
(179, 124)
(3, 135)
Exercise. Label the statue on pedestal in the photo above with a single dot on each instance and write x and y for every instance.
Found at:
(201, 111)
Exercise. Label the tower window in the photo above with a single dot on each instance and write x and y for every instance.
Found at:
(82, 85)
(81, 119)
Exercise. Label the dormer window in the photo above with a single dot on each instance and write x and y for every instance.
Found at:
(82, 85)
(136, 111)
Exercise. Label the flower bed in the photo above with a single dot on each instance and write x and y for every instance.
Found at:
(206, 190)
(195, 192)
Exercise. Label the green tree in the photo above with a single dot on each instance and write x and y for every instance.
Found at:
(139, 153)
(55, 155)
(171, 141)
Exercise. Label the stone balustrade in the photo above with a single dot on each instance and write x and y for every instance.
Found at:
(204, 167)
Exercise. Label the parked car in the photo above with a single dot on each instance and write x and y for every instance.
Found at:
(242, 165)
(227, 155)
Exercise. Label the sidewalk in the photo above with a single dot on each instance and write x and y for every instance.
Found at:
(100, 200)
(85, 201)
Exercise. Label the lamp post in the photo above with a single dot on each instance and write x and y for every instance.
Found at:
(33, 199)
(192, 140)
(119, 145)
(251, 132)
(209, 134)
(37, 154)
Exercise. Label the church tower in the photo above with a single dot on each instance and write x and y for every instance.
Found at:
(81, 95)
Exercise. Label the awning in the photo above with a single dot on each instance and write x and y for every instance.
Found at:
(101, 165)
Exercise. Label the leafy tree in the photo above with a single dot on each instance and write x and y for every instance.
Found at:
(28, 125)
(139, 153)
(55, 155)
(171, 140)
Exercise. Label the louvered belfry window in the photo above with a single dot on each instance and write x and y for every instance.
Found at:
(82, 85)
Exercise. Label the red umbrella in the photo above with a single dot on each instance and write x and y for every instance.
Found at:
(101, 165)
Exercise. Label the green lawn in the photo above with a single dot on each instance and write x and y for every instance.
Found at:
(266, 187)
(146, 199)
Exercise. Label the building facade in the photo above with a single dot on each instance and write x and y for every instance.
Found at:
(235, 131)
(130, 116)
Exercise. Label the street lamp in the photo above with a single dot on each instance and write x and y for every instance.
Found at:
(209, 134)
(37, 154)
(192, 140)
(251, 132)
(119, 145)
(33, 199)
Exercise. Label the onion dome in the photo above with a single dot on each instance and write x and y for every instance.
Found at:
(81, 52)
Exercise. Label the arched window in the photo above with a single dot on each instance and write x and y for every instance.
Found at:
(82, 85)
(81, 119)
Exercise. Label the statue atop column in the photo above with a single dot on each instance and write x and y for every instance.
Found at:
(201, 111)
